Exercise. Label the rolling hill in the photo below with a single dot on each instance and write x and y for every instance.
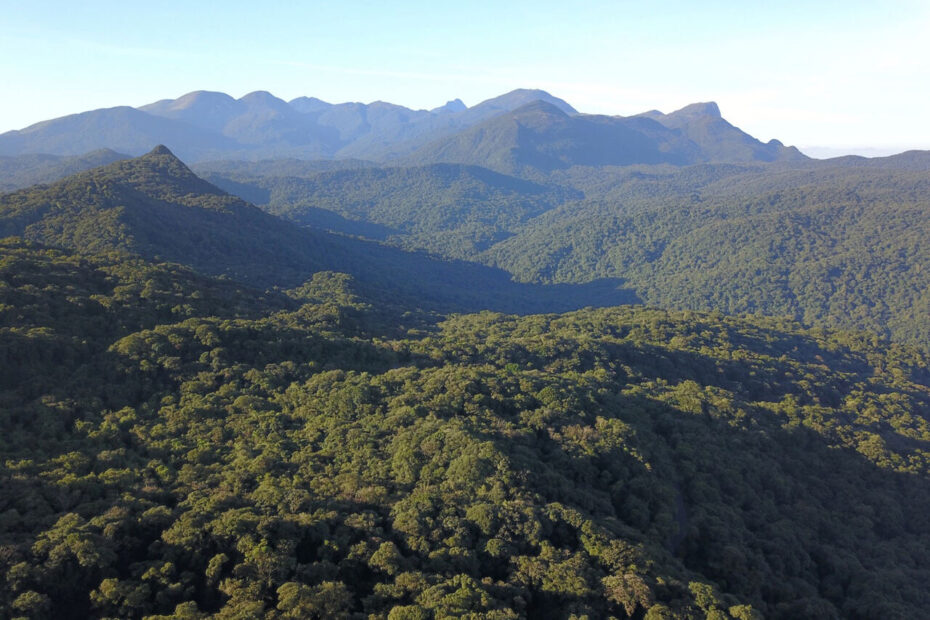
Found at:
(448, 209)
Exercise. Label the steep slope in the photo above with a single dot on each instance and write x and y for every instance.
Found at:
(384, 132)
(539, 137)
(155, 206)
(514, 100)
(454, 105)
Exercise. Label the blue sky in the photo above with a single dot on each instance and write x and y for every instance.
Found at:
(847, 75)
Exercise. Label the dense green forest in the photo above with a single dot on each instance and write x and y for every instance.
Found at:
(452, 210)
(209, 411)
(832, 243)
(181, 446)
(156, 207)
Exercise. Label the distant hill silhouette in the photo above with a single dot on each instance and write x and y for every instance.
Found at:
(540, 136)
(720, 141)
(202, 125)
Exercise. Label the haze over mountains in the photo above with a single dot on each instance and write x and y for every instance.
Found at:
(518, 129)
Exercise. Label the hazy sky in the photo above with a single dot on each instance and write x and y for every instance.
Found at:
(839, 74)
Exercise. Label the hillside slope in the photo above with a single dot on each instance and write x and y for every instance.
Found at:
(830, 243)
(154, 206)
(447, 209)
(176, 445)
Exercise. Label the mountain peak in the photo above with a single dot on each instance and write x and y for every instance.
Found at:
(706, 108)
(537, 107)
(520, 97)
(166, 166)
(262, 97)
(456, 105)
(201, 97)
(161, 149)
(308, 104)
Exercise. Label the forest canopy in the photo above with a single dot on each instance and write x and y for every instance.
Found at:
(179, 446)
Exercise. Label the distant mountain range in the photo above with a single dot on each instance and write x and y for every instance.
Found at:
(523, 129)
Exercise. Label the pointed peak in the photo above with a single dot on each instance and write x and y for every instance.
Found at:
(161, 157)
(161, 149)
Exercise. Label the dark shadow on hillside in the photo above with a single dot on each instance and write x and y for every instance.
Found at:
(764, 380)
(324, 219)
(258, 249)
(429, 282)
(255, 194)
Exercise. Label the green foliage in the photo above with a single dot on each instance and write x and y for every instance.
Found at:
(453, 210)
(835, 244)
(176, 446)
(181, 446)
(155, 207)
(828, 246)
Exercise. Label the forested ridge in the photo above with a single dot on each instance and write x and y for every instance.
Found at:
(832, 243)
(156, 207)
(179, 446)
